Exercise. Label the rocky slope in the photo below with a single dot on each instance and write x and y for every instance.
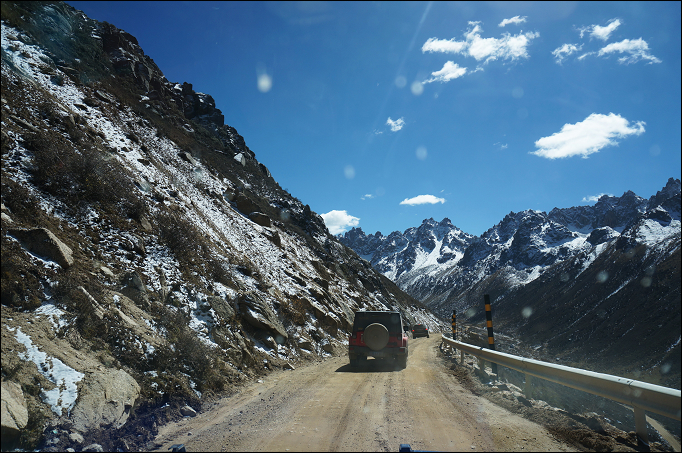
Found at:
(598, 286)
(149, 262)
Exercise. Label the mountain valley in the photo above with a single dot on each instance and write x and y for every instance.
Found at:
(152, 265)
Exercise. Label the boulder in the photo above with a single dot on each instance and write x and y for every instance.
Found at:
(41, 242)
(76, 438)
(14, 412)
(134, 243)
(104, 400)
(306, 343)
(135, 289)
(187, 411)
(144, 222)
(260, 218)
(188, 158)
(245, 204)
(258, 313)
(327, 347)
(223, 308)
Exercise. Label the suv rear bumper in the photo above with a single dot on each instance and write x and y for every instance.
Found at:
(367, 352)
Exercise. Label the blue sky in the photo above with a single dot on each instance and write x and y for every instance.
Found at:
(380, 115)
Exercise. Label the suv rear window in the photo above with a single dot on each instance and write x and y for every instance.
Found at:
(389, 319)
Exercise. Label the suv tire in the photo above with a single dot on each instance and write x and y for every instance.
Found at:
(376, 336)
(358, 361)
(401, 362)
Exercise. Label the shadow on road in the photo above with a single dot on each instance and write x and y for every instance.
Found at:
(371, 366)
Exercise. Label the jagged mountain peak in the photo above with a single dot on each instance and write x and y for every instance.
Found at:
(548, 274)
(528, 241)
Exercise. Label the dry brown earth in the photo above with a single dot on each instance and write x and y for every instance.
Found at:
(327, 406)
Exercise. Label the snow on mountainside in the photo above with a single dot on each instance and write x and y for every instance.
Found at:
(441, 255)
(622, 241)
(149, 261)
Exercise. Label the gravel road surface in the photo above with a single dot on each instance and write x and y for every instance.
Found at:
(327, 406)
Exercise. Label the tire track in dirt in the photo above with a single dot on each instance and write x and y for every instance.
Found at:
(328, 406)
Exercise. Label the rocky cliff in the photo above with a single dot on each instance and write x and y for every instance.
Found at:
(149, 262)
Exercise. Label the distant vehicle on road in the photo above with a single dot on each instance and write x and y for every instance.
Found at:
(378, 334)
(420, 330)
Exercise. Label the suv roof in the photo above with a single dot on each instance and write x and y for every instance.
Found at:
(390, 319)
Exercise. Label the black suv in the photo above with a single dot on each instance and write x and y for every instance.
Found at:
(378, 334)
(420, 330)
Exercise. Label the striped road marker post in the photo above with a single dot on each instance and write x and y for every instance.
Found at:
(454, 325)
(489, 324)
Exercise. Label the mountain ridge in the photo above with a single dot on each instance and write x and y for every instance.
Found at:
(618, 247)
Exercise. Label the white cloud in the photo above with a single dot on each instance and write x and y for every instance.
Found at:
(508, 47)
(367, 196)
(513, 20)
(637, 49)
(586, 137)
(450, 71)
(395, 125)
(560, 53)
(422, 199)
(594, 198)
(603, 33)
(634, 50)
(444, 45)
(339, 221)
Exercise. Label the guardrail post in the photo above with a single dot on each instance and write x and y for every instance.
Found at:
(489, 324)
(454, 325)
(640, 427)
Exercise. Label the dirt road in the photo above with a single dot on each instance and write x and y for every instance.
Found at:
(329, 407)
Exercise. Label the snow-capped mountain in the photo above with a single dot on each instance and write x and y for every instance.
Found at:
(437, 259)
(415, 251)
(614, 251)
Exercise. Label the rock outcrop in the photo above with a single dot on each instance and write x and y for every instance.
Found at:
(14, 413)
(105, 400)
(42, 242)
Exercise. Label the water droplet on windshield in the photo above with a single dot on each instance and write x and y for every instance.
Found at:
(349, 172)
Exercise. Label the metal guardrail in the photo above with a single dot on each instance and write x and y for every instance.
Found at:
(642, 396)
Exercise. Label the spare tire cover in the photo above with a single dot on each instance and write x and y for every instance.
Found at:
(376, 336)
